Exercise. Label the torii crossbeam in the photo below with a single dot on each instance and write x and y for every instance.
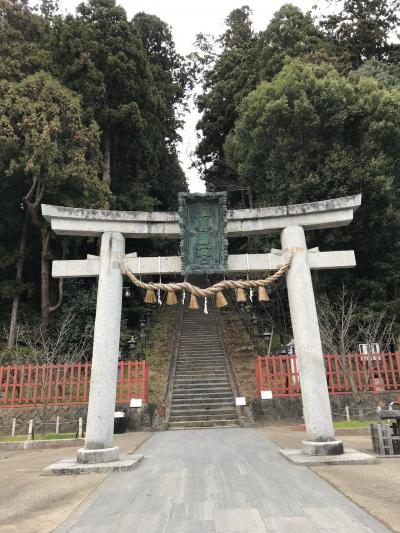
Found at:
(289, 221)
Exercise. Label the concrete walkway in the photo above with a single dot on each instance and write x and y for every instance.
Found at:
(216, 481)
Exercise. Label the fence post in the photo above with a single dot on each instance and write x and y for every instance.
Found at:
(80, 428)
(30, 430)
(147, 383)
(259, 376)
(347, 413)
(57, 425)
(14, 424)
(144, 382)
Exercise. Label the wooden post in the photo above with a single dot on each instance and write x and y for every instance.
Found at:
(14, 424)
(80, 428)
(30, 430)
(347, 413)
(57, 425)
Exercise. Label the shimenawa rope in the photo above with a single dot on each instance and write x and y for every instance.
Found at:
(214, 289)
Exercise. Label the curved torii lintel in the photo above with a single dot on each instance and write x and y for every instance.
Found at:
(240, 222)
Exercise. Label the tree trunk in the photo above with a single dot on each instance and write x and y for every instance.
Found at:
(250, 196)
(243, 199)
(106, 158)
(45, 280)
(18, 279)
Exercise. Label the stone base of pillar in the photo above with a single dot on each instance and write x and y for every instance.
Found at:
(105, 455)
(333, 447)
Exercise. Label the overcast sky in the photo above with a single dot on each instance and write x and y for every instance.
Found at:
(187, 18)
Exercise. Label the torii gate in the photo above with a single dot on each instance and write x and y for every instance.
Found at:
(114, 226)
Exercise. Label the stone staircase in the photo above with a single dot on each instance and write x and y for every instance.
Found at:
(202, 394)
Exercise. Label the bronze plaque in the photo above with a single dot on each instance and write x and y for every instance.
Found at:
(204, 247)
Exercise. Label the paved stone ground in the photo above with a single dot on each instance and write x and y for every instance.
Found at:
(217, 481)
(33, 503)
(373, 487)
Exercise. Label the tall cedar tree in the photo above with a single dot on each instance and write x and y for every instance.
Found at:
(99, 54)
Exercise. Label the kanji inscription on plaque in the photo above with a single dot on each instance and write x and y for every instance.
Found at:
(203, 232)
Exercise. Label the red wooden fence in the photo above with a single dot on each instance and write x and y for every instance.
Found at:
(66, 384)
(374, 373)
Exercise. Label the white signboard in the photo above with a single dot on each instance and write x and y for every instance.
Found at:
(136, 402)
(240, 400)
(266, 394)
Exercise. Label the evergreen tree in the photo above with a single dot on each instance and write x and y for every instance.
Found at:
(23, 49)
(290, 33)
(233, 76)
(99, 54)
(49, 155)
(362, 30)
(245, 60)
(310, 134)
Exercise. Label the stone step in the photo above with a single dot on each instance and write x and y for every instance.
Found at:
(218, 364)
(202, 424)
(195, 354)
(199, 365)
(214, 405)
(204, 354)
(206, 346)
(190, 392)
(190, 363)
(217, 387)
(190, 332)
(193, 381)
(208, 416)
(207, 376)
(187, 394)
(194, 409)
(207, 356)
(207, 326)
(197, 377)
(202, 414)
(203, 400)
(201, 370)
(200, 377)
(195, 339)
(215, 345)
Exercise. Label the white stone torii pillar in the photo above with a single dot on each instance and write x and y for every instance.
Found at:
(290, 221)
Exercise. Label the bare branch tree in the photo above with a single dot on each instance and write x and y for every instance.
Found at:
(342, 331)
(35, 347)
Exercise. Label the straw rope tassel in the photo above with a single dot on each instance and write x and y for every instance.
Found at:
(171, 298)
(263, 294)
(240, 295)
(193, 304)
(220, 300)
(150, 297)
(262, 291)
